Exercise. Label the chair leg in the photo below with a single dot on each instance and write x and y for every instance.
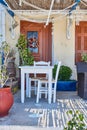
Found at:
(54, 94)
(38, 92)
(54, 97)
(35, 88)
(46, 92)
(29, 88)
(40, 95)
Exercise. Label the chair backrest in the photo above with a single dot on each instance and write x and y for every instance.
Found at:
(41, 63)
(57, 72)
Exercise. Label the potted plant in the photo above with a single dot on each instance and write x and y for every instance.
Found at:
(26, 57)
(82, 76)
(76, 121)
(64, 82)
(6, 100)
(82, 65)
(4, 50)
(84, 57)
(6, 97)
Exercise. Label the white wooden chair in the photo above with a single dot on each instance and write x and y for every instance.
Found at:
(35, 78)
(44, 90)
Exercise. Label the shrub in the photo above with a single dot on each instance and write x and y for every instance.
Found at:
(64, 73)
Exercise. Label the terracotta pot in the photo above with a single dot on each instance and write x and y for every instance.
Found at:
(6, 101)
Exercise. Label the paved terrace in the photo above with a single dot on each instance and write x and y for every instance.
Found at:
(42, 115)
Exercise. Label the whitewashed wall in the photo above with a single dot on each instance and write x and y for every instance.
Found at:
(2, 29)
(10, 37)
(63, 48)
(2, 24)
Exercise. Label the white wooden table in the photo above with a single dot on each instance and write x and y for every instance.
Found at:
(35, 69)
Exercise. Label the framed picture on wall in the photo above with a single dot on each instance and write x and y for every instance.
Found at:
(32, 37)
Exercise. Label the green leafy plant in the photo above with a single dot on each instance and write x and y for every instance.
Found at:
(26, 56)
(4, 50)
(76, 122)
(64, 73)
(84, 57)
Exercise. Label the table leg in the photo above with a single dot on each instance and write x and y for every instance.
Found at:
(22, 87)
(27, 85)
(50, 88)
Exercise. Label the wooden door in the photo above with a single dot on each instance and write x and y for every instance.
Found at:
(44, 39)
(81, 40)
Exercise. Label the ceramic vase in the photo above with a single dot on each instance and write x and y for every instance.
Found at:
(6, 101)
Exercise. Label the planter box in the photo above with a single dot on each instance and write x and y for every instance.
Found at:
(81, 67)
(82, 85)
(82, 79)
(66, 85)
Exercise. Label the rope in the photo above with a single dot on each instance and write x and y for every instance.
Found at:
(49, 12)
(34, 6)
(83, 3)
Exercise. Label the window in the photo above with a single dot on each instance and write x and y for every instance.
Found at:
(32, 37)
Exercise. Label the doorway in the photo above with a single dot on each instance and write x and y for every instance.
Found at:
(81, 40)
(42, 36)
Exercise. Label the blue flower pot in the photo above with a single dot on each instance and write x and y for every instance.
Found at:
(66, 85)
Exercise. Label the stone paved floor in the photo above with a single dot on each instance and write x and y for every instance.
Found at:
(44, 115)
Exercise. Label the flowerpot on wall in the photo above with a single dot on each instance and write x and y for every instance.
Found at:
(6, 101)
